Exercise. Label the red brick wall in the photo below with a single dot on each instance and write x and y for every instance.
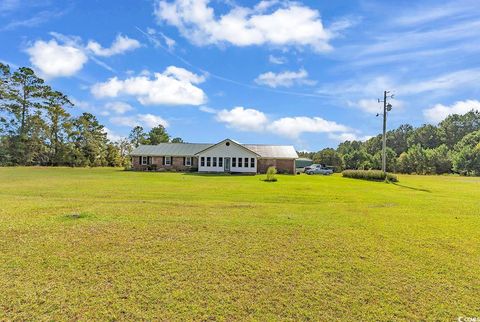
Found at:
(282, 165)
(177, 163)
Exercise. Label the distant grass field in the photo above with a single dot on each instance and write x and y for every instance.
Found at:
(169, 246)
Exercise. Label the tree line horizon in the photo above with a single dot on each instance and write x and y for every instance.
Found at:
(36, 128)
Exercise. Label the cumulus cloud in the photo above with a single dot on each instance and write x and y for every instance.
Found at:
(175, 86)
(55, 60)
(118, 107)
(439, 112)
(65, 56)
(287, 24)
(146, 120)
(248, 119)
(120, 45)
(284, 79)
(243, 119)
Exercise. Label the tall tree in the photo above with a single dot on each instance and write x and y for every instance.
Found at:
(90, 141)
(55, 103)
(398, 138)
(158, 134)
(25, 91)
(329, 157)
(426, 135)
(455, 127)
(137, 136)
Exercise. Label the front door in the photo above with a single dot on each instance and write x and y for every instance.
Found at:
(226, 165)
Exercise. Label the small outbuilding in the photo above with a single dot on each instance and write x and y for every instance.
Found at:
(303, 162)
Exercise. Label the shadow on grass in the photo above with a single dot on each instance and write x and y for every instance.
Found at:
(411, 188)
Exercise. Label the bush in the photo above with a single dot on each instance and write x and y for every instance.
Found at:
(372, 175)
(271, 172)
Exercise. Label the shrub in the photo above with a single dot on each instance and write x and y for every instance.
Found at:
(271, 172)
(372, 175)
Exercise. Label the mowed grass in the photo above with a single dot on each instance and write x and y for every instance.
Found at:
(170, 246)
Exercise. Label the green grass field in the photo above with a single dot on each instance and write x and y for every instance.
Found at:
(170, 246)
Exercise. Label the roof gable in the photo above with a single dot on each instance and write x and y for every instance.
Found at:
(231, 142)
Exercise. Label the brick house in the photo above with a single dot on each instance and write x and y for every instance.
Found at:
(225, 156)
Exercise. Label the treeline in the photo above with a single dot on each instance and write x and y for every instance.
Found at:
(36, 128)
(451, 147)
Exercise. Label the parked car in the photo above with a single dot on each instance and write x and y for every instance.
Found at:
(312, 166)
(319, 169)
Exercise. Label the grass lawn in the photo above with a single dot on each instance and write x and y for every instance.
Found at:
(170, 246)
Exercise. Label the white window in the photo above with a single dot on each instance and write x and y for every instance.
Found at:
(234, 162)
(145, 160)
(188, 161)
(214, 161)
(168, 160)
(239, 162)
(220, 162)
(252, 162)
(208, 161)
(246, 163)
(202, 161)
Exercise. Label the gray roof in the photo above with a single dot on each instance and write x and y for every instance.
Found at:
(170, 149)
(273, 151)
(190, 149)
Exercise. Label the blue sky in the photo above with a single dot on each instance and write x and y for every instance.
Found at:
(306, 73)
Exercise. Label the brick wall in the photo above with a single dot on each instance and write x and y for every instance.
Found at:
(282, 165)
(177, 164)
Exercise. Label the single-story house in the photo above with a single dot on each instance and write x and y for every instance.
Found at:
(225, 156)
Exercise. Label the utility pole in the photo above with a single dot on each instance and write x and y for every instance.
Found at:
(387, 107)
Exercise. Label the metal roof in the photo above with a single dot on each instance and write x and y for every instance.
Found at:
(170, 149)
(190, 149)
(273, 151)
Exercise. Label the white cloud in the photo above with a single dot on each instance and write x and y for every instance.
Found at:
(121, 45)
(207, 109)
(118, 107)
(290, 24)
(284, 79)
(146, 120)
(439, 112)
(277, 60)
(462, 78)
(367, 105)
(348, 136)
(247, 119)
(175, 86)
(151, 120)
(243, 119)
(112, 135)
(66, 55)
(294, 126)
(54, 60)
